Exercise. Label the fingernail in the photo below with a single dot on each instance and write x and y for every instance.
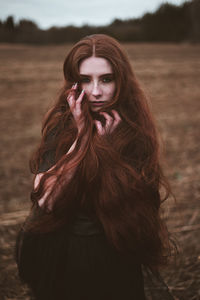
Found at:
(82, 91)
(75, 86)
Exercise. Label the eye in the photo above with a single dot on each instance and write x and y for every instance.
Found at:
(85, 79)
(107, 79)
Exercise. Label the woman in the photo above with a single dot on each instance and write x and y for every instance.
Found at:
(95, 219)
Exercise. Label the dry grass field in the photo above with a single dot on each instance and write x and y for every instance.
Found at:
(30, 79)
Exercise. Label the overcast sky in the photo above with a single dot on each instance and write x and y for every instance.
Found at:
(47, 13)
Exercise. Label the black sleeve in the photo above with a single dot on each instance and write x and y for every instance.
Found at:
(48, 159)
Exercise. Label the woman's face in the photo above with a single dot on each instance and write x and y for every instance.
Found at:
(97, 79)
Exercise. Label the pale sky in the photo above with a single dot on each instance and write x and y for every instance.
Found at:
(47, 13)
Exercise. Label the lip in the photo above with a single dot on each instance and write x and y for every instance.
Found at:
(97, 103)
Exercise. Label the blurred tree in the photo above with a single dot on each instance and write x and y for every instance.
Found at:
(195, 18)
(28, 32)
(168, 23)
(63, 34)
(27, 25)
(9, 23)
(116, 22)
(127, 30)
(7, 30)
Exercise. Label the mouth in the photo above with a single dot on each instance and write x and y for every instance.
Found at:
(97, 103)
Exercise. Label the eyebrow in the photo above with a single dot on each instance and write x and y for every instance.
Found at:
(106, 74)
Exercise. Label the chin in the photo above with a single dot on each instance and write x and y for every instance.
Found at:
(96, 108)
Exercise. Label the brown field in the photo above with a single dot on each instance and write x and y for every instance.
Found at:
(30, 79)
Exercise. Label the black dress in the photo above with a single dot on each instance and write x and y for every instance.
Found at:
(77, 262)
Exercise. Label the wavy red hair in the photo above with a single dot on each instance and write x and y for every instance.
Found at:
(118, 176)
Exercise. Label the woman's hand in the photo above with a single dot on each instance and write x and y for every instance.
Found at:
(75, 107)
(110, 125)
(49, 183)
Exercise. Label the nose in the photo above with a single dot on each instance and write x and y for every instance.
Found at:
(96, 91)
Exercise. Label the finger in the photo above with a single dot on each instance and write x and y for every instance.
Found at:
(78, 103)
(109, 120)
(116, 115)
(37, 180)
(71, 100)
(80, 98)
(74, 86)
(71, 97)
(71, 93)
(117, 119)
(99, 127)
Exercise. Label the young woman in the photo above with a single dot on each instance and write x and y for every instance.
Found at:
(95, 219)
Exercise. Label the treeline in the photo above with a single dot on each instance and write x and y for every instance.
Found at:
(169, 23)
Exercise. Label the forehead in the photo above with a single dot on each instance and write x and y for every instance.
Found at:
(95, 65)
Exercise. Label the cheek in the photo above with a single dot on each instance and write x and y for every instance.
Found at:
(86, 88)
(111, 90)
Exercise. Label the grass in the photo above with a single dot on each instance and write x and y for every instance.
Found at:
(170, 75)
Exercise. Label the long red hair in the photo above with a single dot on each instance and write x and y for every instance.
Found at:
(118, 176)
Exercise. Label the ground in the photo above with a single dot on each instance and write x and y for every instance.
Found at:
(170, 75)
